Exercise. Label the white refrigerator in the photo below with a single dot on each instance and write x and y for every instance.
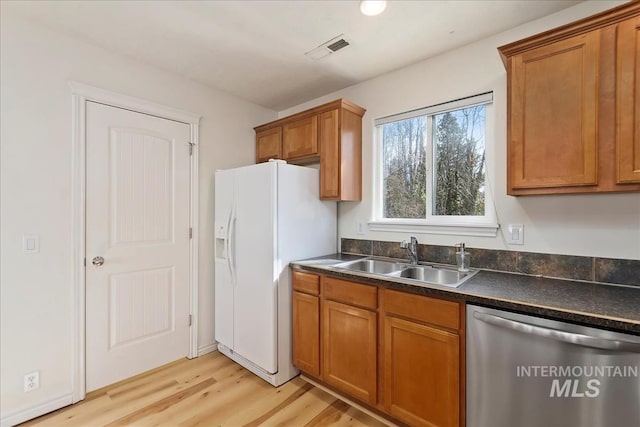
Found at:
(266, 215)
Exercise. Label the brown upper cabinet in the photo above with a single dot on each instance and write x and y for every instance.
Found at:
(572, 124)
(330, 134)
(300, 138)
(628, 106)
(268, 145)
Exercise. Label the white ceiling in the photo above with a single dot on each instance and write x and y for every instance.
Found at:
(255, 49)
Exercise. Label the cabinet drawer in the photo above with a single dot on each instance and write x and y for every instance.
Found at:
(306, 282)
(350, 292)
(425, 309)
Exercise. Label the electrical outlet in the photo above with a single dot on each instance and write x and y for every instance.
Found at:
(516, 234)
(30, 243)
(32, 381)
(360, 228)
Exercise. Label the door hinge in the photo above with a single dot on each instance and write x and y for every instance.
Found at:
(84, 262)
(191, 144)
(190, 320)
(190, 233)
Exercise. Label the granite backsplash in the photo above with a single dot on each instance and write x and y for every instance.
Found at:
(603, 270)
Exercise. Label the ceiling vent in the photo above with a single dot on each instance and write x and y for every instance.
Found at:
(338, 45)
(329, 47)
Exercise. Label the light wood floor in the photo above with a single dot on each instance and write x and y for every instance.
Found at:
(208, 391)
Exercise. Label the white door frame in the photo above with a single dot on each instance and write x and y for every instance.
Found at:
(81, 93)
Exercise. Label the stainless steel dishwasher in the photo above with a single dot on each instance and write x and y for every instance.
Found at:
(525, 371)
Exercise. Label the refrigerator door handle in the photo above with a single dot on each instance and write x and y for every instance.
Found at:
(231, 246)
(227, 243)
(554, 334)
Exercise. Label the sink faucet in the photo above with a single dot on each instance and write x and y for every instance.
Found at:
(412, 249)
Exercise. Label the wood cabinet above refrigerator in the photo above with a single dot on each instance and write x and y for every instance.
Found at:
(573, 115)
(331, 135)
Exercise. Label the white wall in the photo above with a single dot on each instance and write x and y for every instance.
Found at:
(36, 291)
(35, 66)
(604, 225)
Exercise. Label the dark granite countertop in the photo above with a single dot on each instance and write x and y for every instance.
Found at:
(615, 307)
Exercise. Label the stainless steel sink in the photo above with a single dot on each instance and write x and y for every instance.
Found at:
(373, 266)
(434, 274)
(430, 274)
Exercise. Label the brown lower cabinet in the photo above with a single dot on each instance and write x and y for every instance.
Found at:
(399, 353)
(349, 349)
(306, 322)
(421, 373)
(306, 336)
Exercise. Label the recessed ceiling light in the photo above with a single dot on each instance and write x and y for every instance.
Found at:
(372, 7)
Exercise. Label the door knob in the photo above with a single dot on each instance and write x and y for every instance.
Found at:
(97, 261)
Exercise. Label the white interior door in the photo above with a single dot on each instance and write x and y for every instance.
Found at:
(137, 220)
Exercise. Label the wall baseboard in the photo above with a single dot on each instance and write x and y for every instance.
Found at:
(202, 350)
(16, 417)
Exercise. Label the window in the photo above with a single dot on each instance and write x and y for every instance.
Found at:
(432, 169)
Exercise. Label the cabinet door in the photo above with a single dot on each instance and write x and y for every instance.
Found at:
(306, 333)
(421, 373)
(268, 145)
(330, 155)
(349, 349)
(628, 101)
(300, 138)
(553, 99)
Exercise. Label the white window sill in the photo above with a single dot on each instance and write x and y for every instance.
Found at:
(459, 229)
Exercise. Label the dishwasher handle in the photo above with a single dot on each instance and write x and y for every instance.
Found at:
(554, 334)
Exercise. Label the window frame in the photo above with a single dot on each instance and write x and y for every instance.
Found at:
(467, 225)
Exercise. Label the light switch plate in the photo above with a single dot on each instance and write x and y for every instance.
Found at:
(31, 243)
(515, 234)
